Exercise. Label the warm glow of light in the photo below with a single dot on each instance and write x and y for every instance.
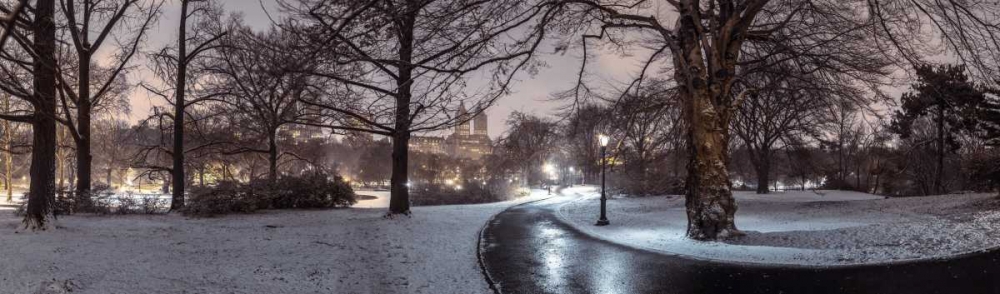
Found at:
(549, 168)
(604, 140)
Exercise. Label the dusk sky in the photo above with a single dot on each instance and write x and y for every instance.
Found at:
(530, 93)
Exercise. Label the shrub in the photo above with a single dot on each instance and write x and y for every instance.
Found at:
(224, 198)
(314, 191)
(308, 192)
(470, 193)
(100, 200)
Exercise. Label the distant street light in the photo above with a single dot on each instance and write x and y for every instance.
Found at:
(603, 221)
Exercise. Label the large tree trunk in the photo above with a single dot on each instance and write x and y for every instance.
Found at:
(8, 138)
(177, 174)
(41, 193)
(8, 163)
(272, 157)
(764, 172)
(709, 197)
(939, 173)
(84, 158)
(399, 200)
(705, 76)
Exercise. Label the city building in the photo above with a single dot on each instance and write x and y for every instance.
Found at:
(469, 140)
(428, 144)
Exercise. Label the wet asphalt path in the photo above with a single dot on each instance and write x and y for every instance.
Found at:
(527, 249)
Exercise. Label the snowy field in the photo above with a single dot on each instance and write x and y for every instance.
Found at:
(381, 200)
(805, 227)
(320, 251)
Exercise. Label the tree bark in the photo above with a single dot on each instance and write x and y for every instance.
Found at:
(705, 76)
(764, 172)
(8, 155)
(107, 177)
(399, 200)
(272, 157)
(41, 193)
(177, 172)
(84, 158)
(709, 199)
(8, 160)
(939, 173)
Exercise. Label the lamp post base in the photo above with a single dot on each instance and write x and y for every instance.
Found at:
(602, 222)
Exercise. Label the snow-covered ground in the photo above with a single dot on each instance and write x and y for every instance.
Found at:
(381, 200)
(805, 227)
(320, 251)
(5, 205)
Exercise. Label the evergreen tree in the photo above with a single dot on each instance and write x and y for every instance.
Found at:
(945, 95)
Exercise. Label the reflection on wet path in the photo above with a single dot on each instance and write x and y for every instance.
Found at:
(527, 249)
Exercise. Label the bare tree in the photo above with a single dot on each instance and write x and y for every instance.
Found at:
(648, 123)
(403, 66)
(707, 41)
(262, 91)
(174, 65)
(112, 136)
(34, 60)
(9, 19)
(581, 131)
(780, 109)
(88, 35)
(528, 143)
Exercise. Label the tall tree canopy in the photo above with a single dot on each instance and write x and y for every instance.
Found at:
(707, 45)
(395, 67)
(945, 95)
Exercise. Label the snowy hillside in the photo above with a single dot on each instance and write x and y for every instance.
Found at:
(805, 227)
(323, 251)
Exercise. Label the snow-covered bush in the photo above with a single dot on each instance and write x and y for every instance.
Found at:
(313, 191)
(101, 200)
(467, 192)
(224, 198)
(307, 192)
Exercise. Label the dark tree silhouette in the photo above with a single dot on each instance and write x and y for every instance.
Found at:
(34, 59)
(529, 141)
(262, 91)
(9, 19)
(946, 94)
(87, 36)
(402, 66)
(709, 42)
(179, 66)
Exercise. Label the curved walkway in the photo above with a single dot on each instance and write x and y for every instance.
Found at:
(527, 249)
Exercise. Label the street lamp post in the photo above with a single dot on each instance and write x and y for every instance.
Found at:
(603, 221)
